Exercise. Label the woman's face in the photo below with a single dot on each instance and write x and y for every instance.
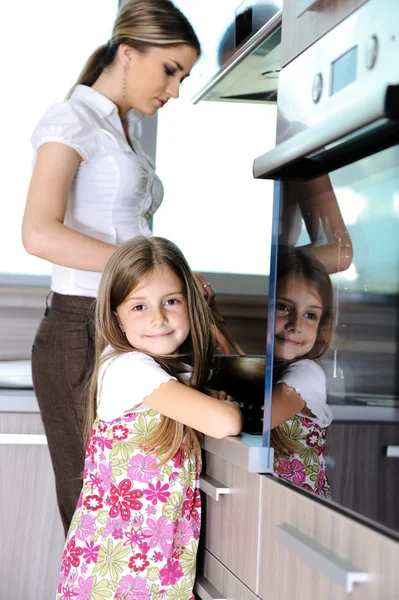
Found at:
(154, 76)
(298, 312)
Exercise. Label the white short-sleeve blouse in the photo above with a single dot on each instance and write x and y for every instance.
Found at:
(308, 379)
(125, 380)
(115, 190)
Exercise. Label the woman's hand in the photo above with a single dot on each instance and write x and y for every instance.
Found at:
(223, 346)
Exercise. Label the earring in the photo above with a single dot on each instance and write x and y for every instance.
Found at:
(124, 84)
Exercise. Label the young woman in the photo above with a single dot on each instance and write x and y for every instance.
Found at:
(136, 526)
(93, 188)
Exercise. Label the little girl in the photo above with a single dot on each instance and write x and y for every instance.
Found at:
(134, 534)
(303, 332)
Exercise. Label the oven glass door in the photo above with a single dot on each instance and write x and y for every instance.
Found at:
(348, 222)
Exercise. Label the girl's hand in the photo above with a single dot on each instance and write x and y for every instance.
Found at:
(223, 396)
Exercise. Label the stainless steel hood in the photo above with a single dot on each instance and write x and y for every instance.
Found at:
(251, 73)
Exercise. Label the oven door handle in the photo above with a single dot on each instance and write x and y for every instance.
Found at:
(353, 134)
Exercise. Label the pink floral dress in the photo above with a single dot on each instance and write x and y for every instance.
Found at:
(306, 468)
(134, 535)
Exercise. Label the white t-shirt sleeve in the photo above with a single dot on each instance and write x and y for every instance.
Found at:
(125, 381)
(67, 123)
(307, 378)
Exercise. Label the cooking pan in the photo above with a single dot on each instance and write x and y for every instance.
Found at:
(242, 376)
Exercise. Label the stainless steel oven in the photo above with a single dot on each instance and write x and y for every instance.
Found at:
(336, 167)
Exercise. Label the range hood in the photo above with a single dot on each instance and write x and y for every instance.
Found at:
(251, 73)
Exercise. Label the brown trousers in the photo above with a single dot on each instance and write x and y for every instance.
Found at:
(62, 360)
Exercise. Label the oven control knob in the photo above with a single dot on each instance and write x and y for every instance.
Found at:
(371, 51)
(317, 87)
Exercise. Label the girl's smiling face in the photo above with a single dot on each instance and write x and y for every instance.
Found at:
(298, 312)
(154, 316)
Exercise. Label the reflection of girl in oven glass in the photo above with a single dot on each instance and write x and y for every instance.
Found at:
(303, 332)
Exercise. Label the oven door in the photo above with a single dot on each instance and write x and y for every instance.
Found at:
(337, 197)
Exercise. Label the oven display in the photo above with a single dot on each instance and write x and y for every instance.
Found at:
(344, 70)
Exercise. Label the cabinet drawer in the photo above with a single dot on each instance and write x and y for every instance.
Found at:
(231, 523)
(212, 574)
(314, 544)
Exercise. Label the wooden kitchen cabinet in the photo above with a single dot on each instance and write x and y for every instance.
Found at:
(300, 32)
(288, 568)
(357, 453)
(231, 524)
(32, 537)
(213, 573)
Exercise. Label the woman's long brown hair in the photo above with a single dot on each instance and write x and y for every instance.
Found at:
(130, 265)
(304, 265)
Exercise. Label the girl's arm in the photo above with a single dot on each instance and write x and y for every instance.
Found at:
(286, 403)
(194, 409)
(43, 231)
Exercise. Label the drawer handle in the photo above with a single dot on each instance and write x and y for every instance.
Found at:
(205, 590)
(29, 439)
(338, 569)
(393, 451)
(212, 488)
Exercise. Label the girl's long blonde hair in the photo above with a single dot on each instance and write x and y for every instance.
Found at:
(299, 261)
(141, 24)
(129, 266)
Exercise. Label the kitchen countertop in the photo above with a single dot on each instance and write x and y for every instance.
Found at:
(23, 400)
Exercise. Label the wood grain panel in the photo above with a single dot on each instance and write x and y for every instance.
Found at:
(362, 477)
(298, 33)
(231, 525)
(223, 580)
(30, 527)
(281, 571)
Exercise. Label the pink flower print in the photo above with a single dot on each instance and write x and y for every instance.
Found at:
(312, 439)
(82, 591)
(133, 537)
(158, 492)
(93, 502)
(94, 480)
(132, 589)
(86, 528)
(173, 477)
(292, 470)
(321, 480)
(113, 525)
(192, 504)
(102, 426)
(159, 533)
(138, 521)
(306, 422)
(105, 475)
(70, 557)
(321, 450)
(130, 417)
(103, 443)
(120, 432)
(178, 458)
(144, 547)
(143, 468)
(67, 593)
(138, 562)
(118, 533)
(123, 499)
(171, 572)
(183, 532)
(151, 510)
(308, 487)
(157, 556)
